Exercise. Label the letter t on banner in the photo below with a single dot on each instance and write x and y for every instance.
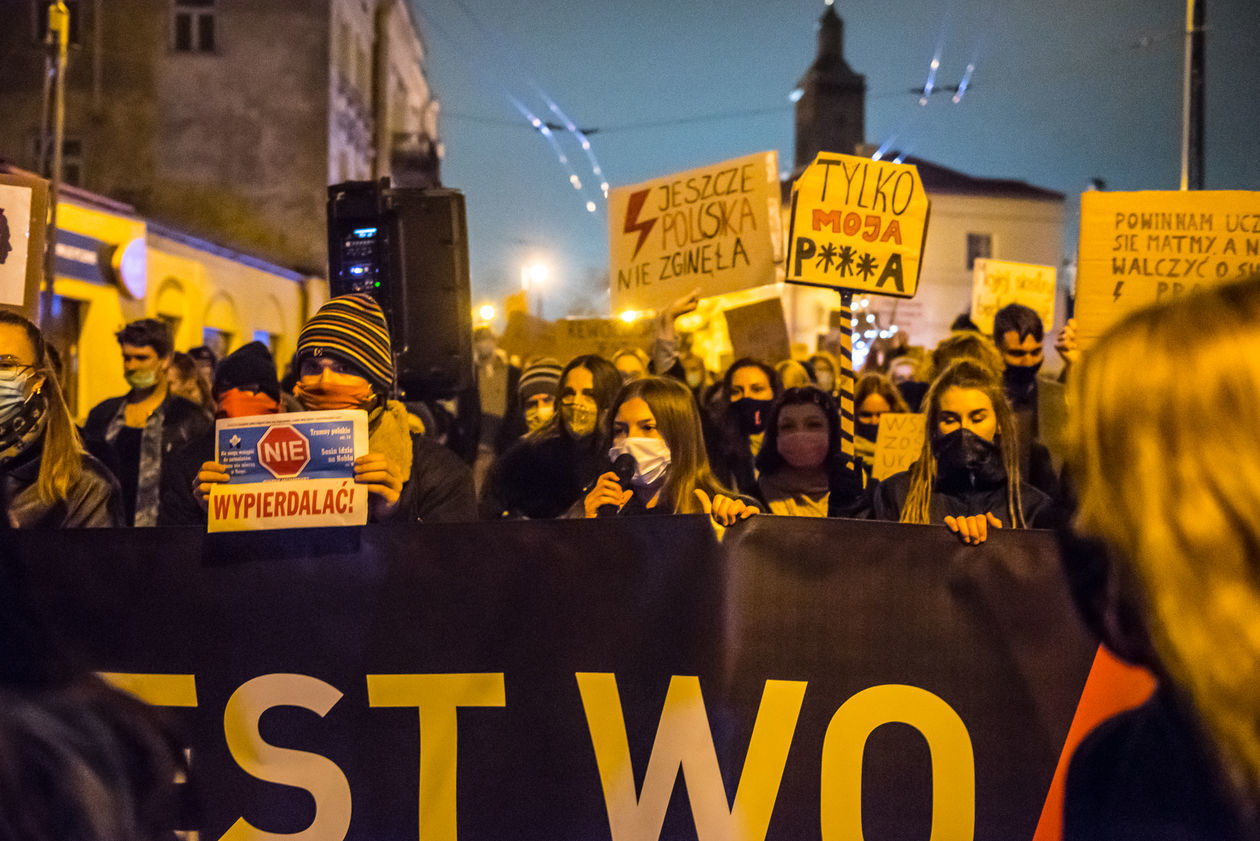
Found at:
(437, 697)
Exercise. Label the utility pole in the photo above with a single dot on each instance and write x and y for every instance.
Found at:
(1192, 97)
(57, 41)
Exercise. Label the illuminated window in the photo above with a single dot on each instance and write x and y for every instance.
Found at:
(978, 246)
(193, 26)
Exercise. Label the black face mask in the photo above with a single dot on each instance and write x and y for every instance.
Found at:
(964, 454)
(866, 430)
(1020, 377)
(751, 413)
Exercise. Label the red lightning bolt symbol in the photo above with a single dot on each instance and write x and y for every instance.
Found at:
(632, 220)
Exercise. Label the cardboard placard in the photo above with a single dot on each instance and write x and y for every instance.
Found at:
(1152, 246)
(858, 224)
(996, 283)
(23, 223)
(527, 336)
(899, 442)
(759, 330)
(716, 228)
(292, 470)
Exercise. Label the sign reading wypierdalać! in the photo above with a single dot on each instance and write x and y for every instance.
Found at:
(996, 283)
(716, 229)
(1152, 246)
(858, 224)
(289, 471)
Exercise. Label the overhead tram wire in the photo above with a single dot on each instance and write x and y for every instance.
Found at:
(548, 130)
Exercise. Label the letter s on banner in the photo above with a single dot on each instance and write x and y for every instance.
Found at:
(953, 761)
(317, 774)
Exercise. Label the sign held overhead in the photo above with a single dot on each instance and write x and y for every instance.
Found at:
(716, 228)
(1153, 246)
(858, 224)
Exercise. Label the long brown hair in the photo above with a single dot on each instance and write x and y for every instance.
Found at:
(678, 421)
(963, 373)
(61, 465)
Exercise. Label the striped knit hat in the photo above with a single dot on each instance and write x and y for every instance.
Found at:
(351, 328)
(542, 376)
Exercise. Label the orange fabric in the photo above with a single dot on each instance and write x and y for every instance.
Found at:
(235, 403)
(1112, 687)
(316, 395)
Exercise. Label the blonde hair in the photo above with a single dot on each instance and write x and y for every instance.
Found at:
(1177, 494)
(963, 373)
(965, 344)
(61, 465)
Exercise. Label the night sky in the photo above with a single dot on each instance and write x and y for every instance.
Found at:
(1063, 91)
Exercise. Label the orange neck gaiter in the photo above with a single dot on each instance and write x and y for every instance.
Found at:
(235, 403)
(318, 396)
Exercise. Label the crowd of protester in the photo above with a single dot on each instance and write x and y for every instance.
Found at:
(1159, 479)
(763, 436)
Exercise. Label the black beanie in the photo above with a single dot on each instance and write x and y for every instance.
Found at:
(248, 365)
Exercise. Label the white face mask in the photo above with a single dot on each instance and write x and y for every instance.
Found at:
(651, 456)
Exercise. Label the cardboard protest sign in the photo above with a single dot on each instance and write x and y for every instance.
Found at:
(292, 470)
(898, 444)
(716, 228)
(23, 211)
(858, 224)
(759, 330)
(997, 283)
(1146, 247)
(567, 338)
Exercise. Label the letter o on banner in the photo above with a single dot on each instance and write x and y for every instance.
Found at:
(953, 761)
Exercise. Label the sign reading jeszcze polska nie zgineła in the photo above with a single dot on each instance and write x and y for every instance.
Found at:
(858, 224)
(716, 228)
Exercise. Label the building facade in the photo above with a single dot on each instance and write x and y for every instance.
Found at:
(114, 266)
(228, 118)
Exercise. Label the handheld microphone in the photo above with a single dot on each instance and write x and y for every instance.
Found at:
(624, 467)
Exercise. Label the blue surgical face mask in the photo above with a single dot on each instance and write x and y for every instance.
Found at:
(14, 393)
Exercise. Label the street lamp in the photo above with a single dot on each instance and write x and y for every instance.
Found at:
(533, 277)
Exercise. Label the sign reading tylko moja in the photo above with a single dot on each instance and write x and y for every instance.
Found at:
(716, 228)
(858, 224)
(289, 471)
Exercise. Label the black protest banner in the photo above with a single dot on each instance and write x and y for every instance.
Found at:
(806, 678)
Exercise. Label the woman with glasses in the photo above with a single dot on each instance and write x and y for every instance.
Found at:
(46, 479)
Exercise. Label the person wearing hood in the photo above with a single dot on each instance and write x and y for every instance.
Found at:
(967, 476)
(46, 478)
(344, 361)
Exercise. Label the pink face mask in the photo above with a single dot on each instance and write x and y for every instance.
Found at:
(803, 449)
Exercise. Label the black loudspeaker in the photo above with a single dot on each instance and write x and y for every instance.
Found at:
(408, 248)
